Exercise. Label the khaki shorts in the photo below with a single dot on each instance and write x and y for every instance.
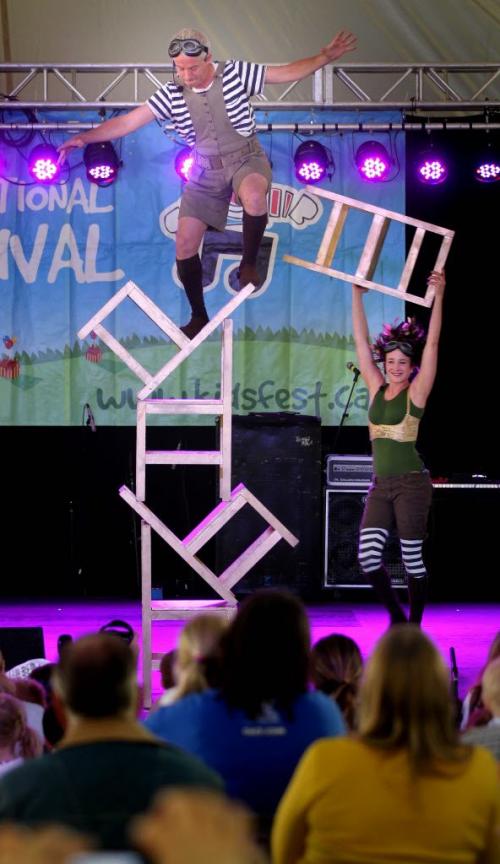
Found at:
(404, 499)
(208, 192)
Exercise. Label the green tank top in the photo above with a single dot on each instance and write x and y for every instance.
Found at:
(393, 425)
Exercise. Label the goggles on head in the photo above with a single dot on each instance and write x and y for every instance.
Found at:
(406, 347)
(189, 47)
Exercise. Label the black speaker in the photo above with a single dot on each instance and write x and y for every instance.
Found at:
(343, 512)
(278, 458)
(19, 644)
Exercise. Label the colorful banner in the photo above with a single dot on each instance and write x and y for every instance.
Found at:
(66, 249)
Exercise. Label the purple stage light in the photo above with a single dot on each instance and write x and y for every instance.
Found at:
(488, 170)
(311, 162)
(43, 163)
(432, 169)
(101, 163)
(102, 172)
(372, 161)
(184, 162)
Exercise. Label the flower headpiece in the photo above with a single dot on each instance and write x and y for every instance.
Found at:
(407, 336)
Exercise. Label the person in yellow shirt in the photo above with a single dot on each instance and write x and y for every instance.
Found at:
(405, 789)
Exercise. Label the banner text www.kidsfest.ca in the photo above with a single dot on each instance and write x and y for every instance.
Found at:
(266, 396)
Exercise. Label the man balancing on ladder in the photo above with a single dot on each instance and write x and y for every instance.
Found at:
(209, 106)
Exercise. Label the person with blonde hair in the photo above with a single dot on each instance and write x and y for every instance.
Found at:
(474, 712)
(488, 735)
(336, 668)
(196, 651)
(405, 789)
(17, 740)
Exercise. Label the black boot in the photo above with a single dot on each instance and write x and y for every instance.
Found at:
(417, 593)
(193, 327)
(253, 231)
(381, 582)
(190, 274)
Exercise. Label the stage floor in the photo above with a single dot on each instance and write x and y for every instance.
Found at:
(468, 628)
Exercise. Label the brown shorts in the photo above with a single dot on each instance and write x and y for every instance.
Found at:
(402, 498)
(208, 192)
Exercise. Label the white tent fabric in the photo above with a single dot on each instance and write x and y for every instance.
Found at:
(126, 31)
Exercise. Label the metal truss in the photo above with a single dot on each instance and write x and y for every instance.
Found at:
(418, 89)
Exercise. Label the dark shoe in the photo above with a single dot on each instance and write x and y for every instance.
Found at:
(247, 274)
(381, 582)
(193, 327)
(417, 592)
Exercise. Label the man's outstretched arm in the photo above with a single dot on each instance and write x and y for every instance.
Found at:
(116, 127)
(341, 44)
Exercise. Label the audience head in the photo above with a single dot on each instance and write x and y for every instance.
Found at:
(120, 628)
(124, 630)
(7, 685)
(265, 653)
(15, 735)
(199, 643)
(405, 701)
(336, 667)
(43, 674)
(491, 687)
(96, 677)
(494, 650)
(30, 690)
(62, 643)
(167, 669)
(53, 717)
(478, 713)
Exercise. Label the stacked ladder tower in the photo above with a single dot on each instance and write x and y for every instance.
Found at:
(231, 499)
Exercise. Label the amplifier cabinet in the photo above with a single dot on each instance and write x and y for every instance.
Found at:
(343, 512)
(350, 472)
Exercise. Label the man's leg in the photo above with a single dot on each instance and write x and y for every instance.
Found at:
(190, 233)
(252, 193)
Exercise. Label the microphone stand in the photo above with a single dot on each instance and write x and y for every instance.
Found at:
(345, 415)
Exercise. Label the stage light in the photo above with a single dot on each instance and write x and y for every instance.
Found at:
(184, 162)
(43, 163)
(312, 161)
(432, 168)
(487, 170)
(101, 163)
(372, 161)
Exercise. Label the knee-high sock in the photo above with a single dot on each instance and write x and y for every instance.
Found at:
(417, 577)
(371, 547)
(190, 274)
(253, 231)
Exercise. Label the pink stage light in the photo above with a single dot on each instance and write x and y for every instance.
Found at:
(311, 162)
(101, 163)
(488, 171)
(372, 161)
(432, 169)
(43, 163)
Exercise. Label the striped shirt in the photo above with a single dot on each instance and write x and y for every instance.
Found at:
(240, 81)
